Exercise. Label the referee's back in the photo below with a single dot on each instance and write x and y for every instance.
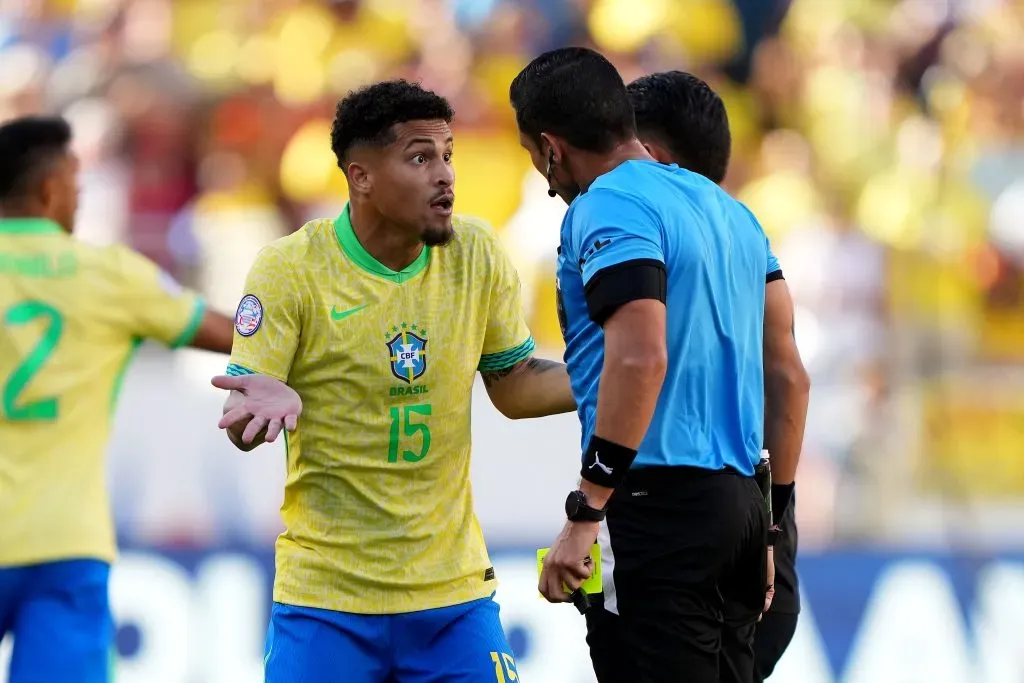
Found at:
(710, 412)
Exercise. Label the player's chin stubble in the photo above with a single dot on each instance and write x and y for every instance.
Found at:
(438, 237)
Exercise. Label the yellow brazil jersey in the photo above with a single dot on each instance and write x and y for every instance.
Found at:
(72, 316)
(377, 509)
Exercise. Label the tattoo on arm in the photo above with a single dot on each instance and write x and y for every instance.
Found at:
(531, 364)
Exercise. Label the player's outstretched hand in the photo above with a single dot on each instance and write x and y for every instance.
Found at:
(568, 561)
(266, 403)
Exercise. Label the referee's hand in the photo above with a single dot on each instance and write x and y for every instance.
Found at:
(769, 593)
(568, 561)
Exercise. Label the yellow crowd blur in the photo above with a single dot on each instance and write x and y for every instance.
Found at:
(833, 137)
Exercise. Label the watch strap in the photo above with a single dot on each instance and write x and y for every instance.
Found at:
(578, 510)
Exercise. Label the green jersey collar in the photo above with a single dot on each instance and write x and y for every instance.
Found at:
(26, 226)
(354, 250)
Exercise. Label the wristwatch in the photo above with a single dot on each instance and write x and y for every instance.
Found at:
(577, 510)
(773, 535)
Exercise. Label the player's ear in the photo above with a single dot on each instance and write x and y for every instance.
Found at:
(358, 177)
(660, 154)
(48, 189)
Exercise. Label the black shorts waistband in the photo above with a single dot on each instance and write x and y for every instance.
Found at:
(661, 477)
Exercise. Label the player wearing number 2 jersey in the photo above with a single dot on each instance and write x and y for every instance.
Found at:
(379, 320)
(72, 316)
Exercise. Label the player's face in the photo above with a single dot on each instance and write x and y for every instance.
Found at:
(61, 192)
(415, 181)
(549, 160)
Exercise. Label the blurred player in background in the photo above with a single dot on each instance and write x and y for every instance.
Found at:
(73, 315)
(379, 320)
(681, 120)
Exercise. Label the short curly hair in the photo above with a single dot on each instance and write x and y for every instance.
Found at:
(27, 145)
(682, 112)
(367, 116)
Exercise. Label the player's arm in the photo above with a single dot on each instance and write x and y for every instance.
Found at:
(266, 336)
(154, 306)
(518, 384)
(534, 387)
(787, 389)
(214, 333)
(619, 242)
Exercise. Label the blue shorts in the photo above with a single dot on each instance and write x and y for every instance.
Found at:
(459, 644)
(59, 614)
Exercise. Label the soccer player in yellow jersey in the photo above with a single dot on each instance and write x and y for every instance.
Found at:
(72, 316)
(379, 320)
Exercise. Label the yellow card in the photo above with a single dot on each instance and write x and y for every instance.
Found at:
(591, 585)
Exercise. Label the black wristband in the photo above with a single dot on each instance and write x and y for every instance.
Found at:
(606, 463)
(782, 495)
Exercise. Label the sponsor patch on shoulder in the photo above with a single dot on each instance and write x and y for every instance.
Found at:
(249, 315)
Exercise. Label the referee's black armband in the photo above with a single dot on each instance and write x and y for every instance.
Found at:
(774, 275)
(606, 463)
(617, 285)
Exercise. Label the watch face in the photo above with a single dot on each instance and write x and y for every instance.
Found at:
(572, 504)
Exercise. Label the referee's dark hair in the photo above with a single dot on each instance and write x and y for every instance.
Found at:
(367, 117)
(29, 147)
(576, 94)
(684, 115)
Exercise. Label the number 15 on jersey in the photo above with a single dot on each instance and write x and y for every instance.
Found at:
(408, 426)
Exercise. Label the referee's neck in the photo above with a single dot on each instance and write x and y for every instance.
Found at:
(589, 166)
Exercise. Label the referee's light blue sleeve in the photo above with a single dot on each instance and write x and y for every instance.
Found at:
(611, 227)
(773, 263)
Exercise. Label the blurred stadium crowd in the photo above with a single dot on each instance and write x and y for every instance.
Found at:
(880, 142)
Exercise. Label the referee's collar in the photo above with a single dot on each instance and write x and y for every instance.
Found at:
(28, 226)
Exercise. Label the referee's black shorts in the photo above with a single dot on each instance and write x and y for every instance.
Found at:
(777, 627)
(683, 554)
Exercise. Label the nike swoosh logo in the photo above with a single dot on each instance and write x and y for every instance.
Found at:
(341, 315)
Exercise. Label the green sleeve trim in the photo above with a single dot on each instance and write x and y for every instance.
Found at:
(236, 370)
(493, 362)
(119, 378)
(189, 333)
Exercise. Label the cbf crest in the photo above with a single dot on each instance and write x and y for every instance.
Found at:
(407, 351)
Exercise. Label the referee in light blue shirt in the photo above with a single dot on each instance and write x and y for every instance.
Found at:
(661, 279)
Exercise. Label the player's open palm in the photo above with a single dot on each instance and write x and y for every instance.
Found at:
(258, 404)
